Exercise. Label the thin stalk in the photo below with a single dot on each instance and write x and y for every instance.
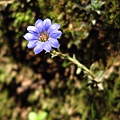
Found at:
(76, 62)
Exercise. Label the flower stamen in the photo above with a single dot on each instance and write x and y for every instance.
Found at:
(43, 37)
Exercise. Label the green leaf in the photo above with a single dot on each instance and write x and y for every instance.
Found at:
(99, 75)
(66, 64)
(93, 67)
(78, 71)
(74, 57)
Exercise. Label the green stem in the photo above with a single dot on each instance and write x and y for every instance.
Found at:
(76, 62)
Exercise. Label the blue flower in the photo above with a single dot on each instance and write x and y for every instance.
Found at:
(43, 36)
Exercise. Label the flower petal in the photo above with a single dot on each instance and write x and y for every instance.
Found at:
(47, 46)
(46, 24)
(54, 26)
(33, 29)
(54, 42)
(55, 34)
(39, 47)
(39, 25)
(29, 36)
(32, 44)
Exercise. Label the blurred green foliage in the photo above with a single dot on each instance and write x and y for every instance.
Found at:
(33, 116)
(44, 88)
